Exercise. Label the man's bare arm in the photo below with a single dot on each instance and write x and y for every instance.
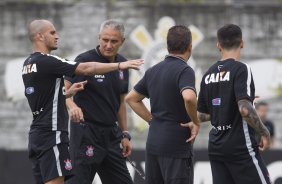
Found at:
(249, 114)
(190, 102)
(134, 100)
(92, 68)
(122, 114)
(75, 112)
(203, 117)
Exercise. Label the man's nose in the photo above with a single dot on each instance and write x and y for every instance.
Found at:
(109, 45)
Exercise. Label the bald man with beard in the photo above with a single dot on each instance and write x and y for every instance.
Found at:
(43, 77)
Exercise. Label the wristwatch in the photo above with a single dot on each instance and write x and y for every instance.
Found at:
(125, 134)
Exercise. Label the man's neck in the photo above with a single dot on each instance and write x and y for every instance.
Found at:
(231, 54)
(111, 59)
(42, 50)
(183, 57)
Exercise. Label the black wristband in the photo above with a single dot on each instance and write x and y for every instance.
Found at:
(126, 135)
(118, 65)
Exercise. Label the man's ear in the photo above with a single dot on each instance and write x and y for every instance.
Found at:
(190, 48)
(122, 41)
(242, 44)
(40, 36)
(218, 46)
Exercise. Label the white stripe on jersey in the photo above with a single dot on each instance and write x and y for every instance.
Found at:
(251, 151)
(62, 59)
(57, 154)
(249, 79)
(55, 105)
(58, 137)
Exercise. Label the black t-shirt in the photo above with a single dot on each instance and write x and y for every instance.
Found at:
(100, 100)
(163, 84)
(222, 86)
(44, 89)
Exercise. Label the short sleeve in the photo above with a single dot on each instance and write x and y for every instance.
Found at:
(76, 78)
(125, 81)
(187, 80)
(57, 66)
(243, 83)
(202, 100)
(141, 88)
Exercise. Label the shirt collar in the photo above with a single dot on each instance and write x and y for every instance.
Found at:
(180, 58)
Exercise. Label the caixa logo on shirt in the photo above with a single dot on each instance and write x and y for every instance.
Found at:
(29, 69)
(217, 77)
(99, 78)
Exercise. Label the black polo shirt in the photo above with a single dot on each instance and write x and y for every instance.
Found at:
(44, 89)
(100, 100)
(163, 84)
(222, 86)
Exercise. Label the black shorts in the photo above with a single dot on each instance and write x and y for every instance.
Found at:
(168, 170)
(95, 149)
(246, 171)
(50, 164)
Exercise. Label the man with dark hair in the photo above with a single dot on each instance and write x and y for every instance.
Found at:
(262, 110)
(42, 75)
(100, 109)
(226, 97)
(173, 121)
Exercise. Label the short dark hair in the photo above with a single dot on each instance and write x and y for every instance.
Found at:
(178, 39)
(260, 103)
(229, 36)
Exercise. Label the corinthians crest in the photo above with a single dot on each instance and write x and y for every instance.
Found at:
(68, 165)
(90, 151)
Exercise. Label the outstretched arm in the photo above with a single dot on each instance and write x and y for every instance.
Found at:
(92, 68)
(249, 115)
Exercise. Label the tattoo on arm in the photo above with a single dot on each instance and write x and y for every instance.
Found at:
(203, 117)
(249, 114)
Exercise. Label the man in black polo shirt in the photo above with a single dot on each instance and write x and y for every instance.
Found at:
(42, 75)
(170, 85)
(95, 142)
(226, 99)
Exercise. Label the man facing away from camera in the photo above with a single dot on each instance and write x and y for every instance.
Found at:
(226, 99)
(170, 86)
